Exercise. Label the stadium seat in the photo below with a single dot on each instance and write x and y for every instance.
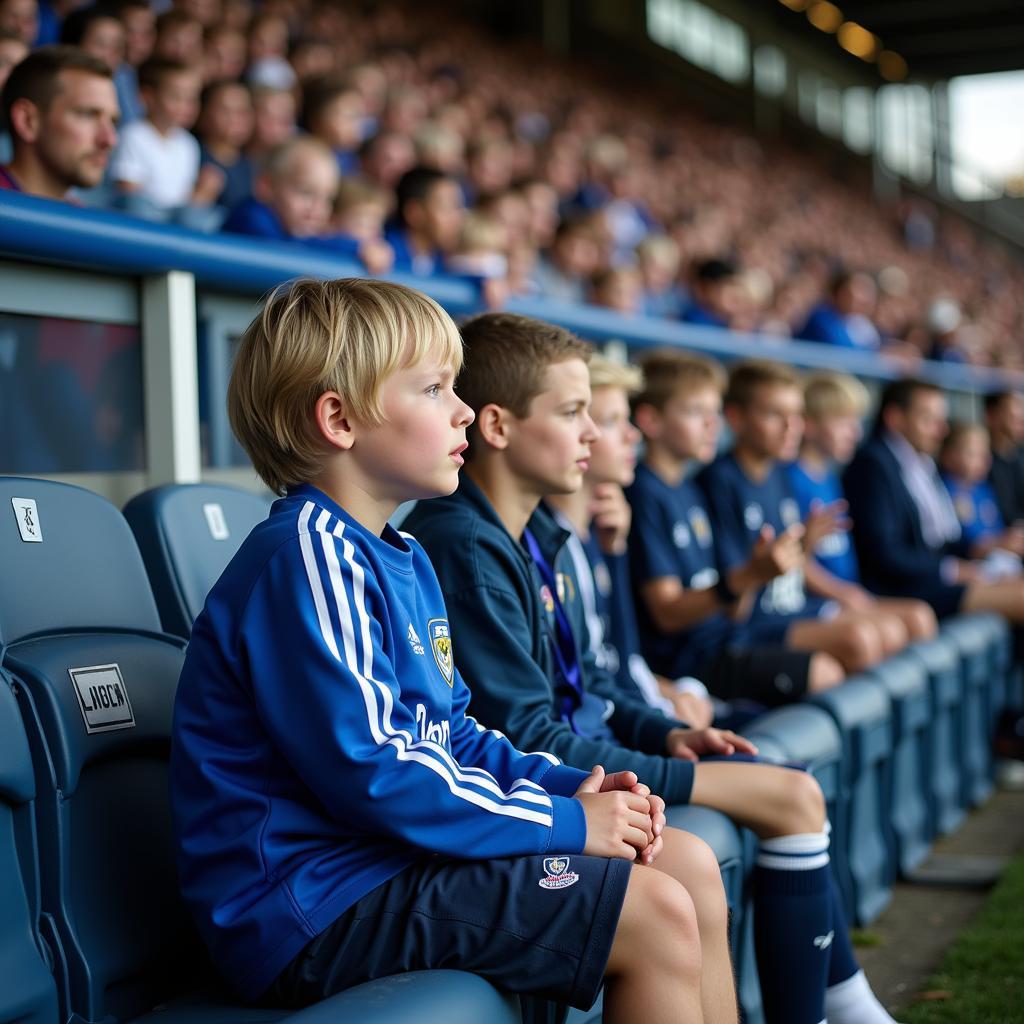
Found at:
(95, 684)
(973, 638)
(187, 534)
(941, 661)
(28, 994)
(910, 826)
(862, 710)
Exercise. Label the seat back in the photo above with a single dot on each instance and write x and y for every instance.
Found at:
(28, 993)
(187, 534)
(861, 709)
(96, 682)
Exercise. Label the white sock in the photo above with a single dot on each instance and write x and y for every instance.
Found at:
(853, 1002)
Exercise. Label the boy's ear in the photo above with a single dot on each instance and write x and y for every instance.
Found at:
(648, 420)
(332, 421)
(492, 424)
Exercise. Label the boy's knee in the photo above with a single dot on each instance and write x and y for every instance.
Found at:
(861, 645)
(661, 921)
(825, 672)
(921, 621)
(894, 633)
(805, 804)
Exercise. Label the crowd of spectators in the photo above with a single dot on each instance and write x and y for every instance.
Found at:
(416, 141)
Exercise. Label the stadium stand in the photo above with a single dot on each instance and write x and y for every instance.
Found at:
(91, 925)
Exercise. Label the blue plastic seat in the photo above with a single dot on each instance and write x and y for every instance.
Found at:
(941, 661)
(187, 534)
(95, 683)
(862, 710)
(973, 637)
(28, 994)
(905, 679)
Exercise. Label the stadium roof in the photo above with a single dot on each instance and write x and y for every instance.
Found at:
(940, 38)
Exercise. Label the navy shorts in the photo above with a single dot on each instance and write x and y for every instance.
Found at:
(539, 926)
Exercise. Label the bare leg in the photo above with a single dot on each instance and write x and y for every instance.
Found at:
(770, 800)
(824, 673)
(691, 861)
(852, 640)
(916, 616)
(654, 969)
(1005, 597)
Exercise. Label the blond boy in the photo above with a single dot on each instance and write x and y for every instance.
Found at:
(328, 787)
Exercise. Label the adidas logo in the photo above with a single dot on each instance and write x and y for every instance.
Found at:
(414, 641)
(824, 941)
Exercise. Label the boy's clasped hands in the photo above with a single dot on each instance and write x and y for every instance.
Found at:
(624, 818)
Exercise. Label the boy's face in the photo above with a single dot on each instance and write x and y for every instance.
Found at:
(836, 435)
(417, 450)
(549, 448)
(969, 458)
(228, 116)
(690, 424)
(613, 454)
(439, 215)
(274, 118)
(364, 221)
(302, 195)
(341, 123)
(772, 425)
(104, 38)
(175, 102)
(139, 33)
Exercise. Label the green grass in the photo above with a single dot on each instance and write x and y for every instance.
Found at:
(981, 980)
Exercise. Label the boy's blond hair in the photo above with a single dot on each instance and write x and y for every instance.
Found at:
(668, 372)
(314, 336)
(749, 375)
(359, 191)
(960, 431)
(834, 394)
(609, 373)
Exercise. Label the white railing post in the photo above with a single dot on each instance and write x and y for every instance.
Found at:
(170, 382)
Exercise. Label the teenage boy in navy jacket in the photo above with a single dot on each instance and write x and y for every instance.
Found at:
(339, 816)
(497, 556)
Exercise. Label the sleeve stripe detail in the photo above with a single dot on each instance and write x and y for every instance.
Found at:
(429, 754)
(502, 736)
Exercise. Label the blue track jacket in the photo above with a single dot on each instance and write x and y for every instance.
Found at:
(495, 598)
(321, 743)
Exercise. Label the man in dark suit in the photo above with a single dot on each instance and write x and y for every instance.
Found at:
(1004, 417)
(906, 531)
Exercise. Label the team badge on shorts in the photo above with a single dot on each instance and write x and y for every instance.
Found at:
(441, 645)
(558, 874)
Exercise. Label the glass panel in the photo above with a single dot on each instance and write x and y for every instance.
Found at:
(70, 396)
(770, 70)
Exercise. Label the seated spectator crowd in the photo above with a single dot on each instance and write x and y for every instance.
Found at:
(374, 133)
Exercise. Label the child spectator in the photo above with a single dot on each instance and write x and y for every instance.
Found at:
(499, 559)
(381, 801)
(268, 38)
(658, 260)
(335, 113)
(360, 210)
(482, 255)
(690, 614)
(715, 297)
(748, 489)
(20, 18)
(965, 460)
(834, 407)
(273, 120)
(386, 157)
(179, 38)
(428, 221)
(98, 31)
(844, 319)
(311, 58)
(224, 129)
(157, 160)
(598, 517)
(618, 288)
(294, 193)
(139, 23)
(563, 271)
(224, 54)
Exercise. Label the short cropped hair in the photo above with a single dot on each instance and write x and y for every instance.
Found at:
(901, 393)
(610, 373)
(994, 399)
(749, 375)
(314, 336)
(416, 185)
(506, 357)
(834, 394)
(282, 157)
(35, 78)
(155, 71)
(668, 372)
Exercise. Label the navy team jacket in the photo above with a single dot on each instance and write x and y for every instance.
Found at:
(495, 598)
(321, 743)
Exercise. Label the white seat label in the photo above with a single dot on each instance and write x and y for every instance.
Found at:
(216, 522)
(103, 698)
(28, 520)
